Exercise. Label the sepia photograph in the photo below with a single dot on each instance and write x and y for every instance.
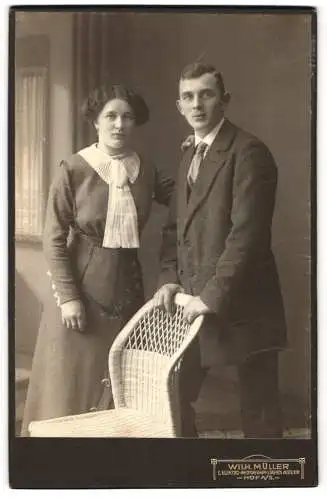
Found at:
(163, 216)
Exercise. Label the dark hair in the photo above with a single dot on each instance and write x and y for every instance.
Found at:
(197, 69)
(97, 99)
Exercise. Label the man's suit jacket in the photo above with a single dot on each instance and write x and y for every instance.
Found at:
(217, 244)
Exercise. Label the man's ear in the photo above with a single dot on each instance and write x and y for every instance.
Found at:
(179, 107)
(226, 99)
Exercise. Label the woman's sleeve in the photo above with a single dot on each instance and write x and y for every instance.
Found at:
(163, 188)
(59, 218)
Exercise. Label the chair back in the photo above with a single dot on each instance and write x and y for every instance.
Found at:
(145, 361)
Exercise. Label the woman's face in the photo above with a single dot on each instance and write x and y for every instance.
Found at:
(115, 124)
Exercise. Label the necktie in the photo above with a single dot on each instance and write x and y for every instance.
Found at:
(195, 163)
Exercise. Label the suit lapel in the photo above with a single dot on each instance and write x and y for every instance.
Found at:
(182, 196)
(211, 165)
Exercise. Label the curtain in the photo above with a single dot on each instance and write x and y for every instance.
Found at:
(101, 51)
(30, 142)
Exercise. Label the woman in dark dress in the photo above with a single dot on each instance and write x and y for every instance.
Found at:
(98, 205)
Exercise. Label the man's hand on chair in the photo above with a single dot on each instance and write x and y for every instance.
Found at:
(194, 308)
(164, 297)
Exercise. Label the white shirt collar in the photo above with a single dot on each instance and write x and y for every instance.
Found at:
(110, 168)
(209, 138)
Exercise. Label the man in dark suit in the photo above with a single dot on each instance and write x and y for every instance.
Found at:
(217, 247)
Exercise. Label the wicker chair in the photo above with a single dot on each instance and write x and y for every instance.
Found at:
(144, 366)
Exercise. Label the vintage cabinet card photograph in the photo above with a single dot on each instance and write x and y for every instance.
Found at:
(162, 169)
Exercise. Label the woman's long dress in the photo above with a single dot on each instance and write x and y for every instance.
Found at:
(69, 366)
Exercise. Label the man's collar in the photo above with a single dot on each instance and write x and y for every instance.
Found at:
(209, 138)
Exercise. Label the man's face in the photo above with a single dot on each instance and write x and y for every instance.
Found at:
(200, 102)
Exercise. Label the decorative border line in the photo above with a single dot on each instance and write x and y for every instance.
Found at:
(255, 459)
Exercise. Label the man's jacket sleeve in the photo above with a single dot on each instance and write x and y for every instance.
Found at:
(168, 252)
(254, 188)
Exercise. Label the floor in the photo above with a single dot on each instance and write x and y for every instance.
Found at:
(216, 408)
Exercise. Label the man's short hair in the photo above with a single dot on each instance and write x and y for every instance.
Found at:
(197, 69)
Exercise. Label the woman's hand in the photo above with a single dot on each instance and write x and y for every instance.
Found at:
(73, 315)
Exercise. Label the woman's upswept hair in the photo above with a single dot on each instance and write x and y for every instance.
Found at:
(97, 99)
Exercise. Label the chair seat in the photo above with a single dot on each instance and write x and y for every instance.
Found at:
(101, 424)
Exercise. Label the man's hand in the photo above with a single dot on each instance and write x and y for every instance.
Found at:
(73, 314)
(194, 308)
(164, 297)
